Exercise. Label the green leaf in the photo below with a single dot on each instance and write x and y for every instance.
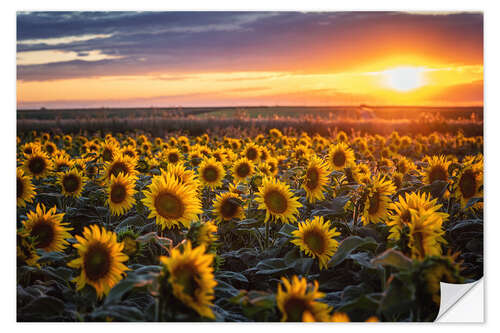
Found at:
(135, 220)
(349, 245)
(287, 229)
(231, 276)
(393, 258)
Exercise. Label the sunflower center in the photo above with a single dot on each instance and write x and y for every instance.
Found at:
(43, 233)
(107, 154)
(243, 170)
(401, 167)
(28, 150)
(173, 158)
(252, 154)
(119, 167)
(118, 193)
(37, 165)
(295, 308)
(169, 206)
(339, 158)
(185, 276)
(228, 209)
(315, 241)
(374, 203)
(437, 173)
(20, 187)
(468, 184)
(71, 183)
(275, 202)
(50, 149)
(97, 261)
(312, 177)
(406, 216)
(210, 174)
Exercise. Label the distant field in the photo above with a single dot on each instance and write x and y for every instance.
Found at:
(386, 112)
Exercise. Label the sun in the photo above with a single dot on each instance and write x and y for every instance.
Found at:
(404, 78)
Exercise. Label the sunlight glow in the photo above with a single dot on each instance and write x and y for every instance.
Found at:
(404, 78)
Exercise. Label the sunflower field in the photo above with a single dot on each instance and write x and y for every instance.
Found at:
(277, 226)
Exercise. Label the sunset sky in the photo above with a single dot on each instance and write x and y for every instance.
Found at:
(142, 59)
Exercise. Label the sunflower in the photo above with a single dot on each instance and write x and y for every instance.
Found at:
(420, 203)
(108, 150)
(242, 169)
(37, 164)
(183, 175)
(47, 229)
(173, 156)
(131, 246)
(49, 147)
(339, 156)
(251, 152)
(120, 193)
(299, 301)
(469, 183)
(207, 234)
(171, 202)
(190, 273)
(377, 203)
(211, 173)
(228, 206)
(25, 189)
(28, 148)
(121, 163)
(444, 269)
(315, 238)
(195, 157)
(315, 179)
(62, 162)
(340, 317)
(425, 234)
(278, 201)
(26, 250)
(100, 260)
(404, 165)
(72, 183)
(437, 169)
(130, 151)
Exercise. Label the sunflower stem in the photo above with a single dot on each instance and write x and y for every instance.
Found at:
(267, 234)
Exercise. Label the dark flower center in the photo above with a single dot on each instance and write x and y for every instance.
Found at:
(252, 154)
(210, 174)
(228, 208)
(468, 184)
(97, 261)
(118, 193)
(169, 206)
(437, 173)
(315, 241)
(339, 158)
(295, 308)
(243, 170)
(37, 165)
(374, 203)
(312, 178)
(275, 202)
(71, 183)
(43, 232)
(20, 187)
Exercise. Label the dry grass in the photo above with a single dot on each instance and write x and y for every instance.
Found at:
(158, 126)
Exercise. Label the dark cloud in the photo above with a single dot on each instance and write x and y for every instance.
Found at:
(189, 42)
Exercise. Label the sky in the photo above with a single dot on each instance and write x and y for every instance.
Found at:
(165, 59)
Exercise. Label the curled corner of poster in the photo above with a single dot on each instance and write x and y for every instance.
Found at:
(462, 303)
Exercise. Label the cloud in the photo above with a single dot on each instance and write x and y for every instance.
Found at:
(57, 56)
(193, 42)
